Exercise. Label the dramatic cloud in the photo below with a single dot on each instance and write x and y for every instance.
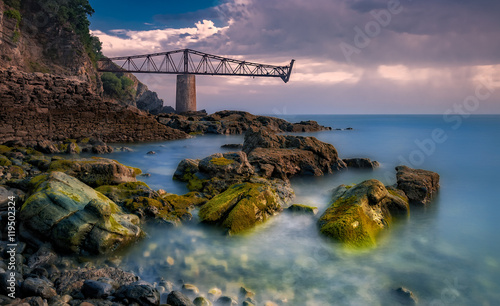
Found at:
(380, 56)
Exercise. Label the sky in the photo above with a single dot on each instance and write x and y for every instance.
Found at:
(352, 56)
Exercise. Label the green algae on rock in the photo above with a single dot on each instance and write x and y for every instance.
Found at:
(359, 213)
(75, 218)
(241, 207)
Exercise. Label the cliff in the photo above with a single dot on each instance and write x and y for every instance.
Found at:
(49, 86)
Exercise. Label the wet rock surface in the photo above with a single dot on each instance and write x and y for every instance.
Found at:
(420, 186)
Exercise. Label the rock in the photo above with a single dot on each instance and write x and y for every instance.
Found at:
(358, 213)
(226, 166)
(151, 153)
(214, 293)
(4, 161)
(44, 256)
(420, 186)
(5, 198)
(362, 163)
(241, 207)
(92, 289)
(233, 122)
(226, 301)
(73, 280)
(9, 284)
(201, 301)
(75, 218)
(236, 146)
(405, 296)
(303, 209)
(245, 293)
(176, 298)
(95, 171)
(46, 146)
(73, 148)
(214, 173)
(38, 287)
(287, 156)
(16, 172)
(102, 149)
(247, 303)
(139, 292)
(190, 289)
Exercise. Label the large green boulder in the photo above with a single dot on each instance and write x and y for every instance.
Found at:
(242, 206)
(358, 213)
(76, 218)
(95, 171)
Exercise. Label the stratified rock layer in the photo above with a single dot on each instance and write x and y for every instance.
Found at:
(39, 106)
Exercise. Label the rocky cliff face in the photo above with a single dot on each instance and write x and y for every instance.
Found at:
(39, 42)
(50, 89)
(39, 106)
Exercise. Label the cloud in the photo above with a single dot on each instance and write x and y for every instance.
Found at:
(423, 59)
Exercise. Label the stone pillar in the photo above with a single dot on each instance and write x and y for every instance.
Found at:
(185, 99)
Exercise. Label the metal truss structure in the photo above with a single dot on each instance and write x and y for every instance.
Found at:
(187, 61)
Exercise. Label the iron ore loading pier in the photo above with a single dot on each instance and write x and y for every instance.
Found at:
(187, 63)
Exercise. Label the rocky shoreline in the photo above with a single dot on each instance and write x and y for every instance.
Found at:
(70, 209)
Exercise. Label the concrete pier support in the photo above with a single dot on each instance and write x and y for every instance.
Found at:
(185, 99)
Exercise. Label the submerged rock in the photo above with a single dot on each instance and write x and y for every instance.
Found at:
(405, 297)
(242, 206)
(303, 209)
(362, 163)
(420, 186)
(75, 218)
(176, 298)
(357, 214)
(140, 292)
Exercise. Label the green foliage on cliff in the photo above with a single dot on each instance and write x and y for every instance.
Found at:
(76, 13)
(117, 86)
(14, 14)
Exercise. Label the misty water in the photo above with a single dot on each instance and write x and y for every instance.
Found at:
(447, 253)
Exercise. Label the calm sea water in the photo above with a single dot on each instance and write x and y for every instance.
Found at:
(447, 254)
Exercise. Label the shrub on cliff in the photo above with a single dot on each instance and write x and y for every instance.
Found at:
(116, 86)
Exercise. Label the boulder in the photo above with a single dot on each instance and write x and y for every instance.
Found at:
(420, 186)
(202, 301)
(287, 156)
(404, 296)
(38, 287)
(176, 298)
(44, 256)
(242, 206)
(95, 171)
(93, 289)
(47, 146)
(358, 213)
(140, 292)
(214, 173)
(75, 218)
(361, 163)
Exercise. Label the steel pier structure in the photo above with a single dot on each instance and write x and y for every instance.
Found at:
(187, 63)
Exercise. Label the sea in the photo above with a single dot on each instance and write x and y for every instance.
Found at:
(447, 253)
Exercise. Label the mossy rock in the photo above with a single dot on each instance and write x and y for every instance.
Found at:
(41, 162)
(358, 213)
(181, 205)
(28, 151)
(347, 222)
(221, 161)
(4, 149)
(4, 161)
(300, 208)
(75, 218)
(241, 207)
(122, 192)
(16, 172)
(95, 171)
